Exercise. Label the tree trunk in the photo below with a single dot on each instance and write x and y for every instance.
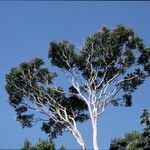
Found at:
(82, 145)
(79, 139)
(94, 119)
(94, 125)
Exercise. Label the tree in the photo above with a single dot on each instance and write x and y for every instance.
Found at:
(125, 143)
(41, 145)
(134, 140)
(110, 66)
(27, 145)
(145, 119)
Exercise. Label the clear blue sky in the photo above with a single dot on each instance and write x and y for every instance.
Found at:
(25, 31)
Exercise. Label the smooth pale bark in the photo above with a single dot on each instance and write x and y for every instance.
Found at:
(81, 143)
(79, 139)
(94, 120)
(95, 143)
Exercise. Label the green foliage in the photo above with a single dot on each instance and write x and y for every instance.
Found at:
(109, 51)
(73, 105)
(131, 141)
(134, 140)
(27, 145)
(62, 148)
(44, 145)
(145, 119)
(41, 145)
(31, 84)
(126, 141)
(62, 54)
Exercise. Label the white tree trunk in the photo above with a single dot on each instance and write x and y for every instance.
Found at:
(79, 139)
(82, 146)
(94, 125)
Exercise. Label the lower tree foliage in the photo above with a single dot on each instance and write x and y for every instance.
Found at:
(40, 145)
(135, 140)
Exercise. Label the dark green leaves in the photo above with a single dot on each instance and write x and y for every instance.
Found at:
(73, 90)
(26, 79)
(128, 99)
(62, 54)
(134, 140)
(132, 81)
(41, 145)
(124, 142)
(144, 59)
(145, 119)
(107, 46)
(108, 51)
(27, 84)
(30, 88)
(75, 106)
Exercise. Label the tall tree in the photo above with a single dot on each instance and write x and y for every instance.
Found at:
(110, 66)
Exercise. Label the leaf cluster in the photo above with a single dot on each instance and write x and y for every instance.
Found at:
(135, 140)
(30, 86)
(40, 145)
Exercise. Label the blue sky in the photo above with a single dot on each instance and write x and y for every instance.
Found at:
(26, 28)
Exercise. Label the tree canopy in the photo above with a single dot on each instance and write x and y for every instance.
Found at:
(30, 88)
(110, 66)
(107, 54)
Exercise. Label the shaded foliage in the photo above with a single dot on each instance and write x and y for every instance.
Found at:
(145, 119)
(40, 145)
(74, 106)
(30, 83)
(135, 140)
